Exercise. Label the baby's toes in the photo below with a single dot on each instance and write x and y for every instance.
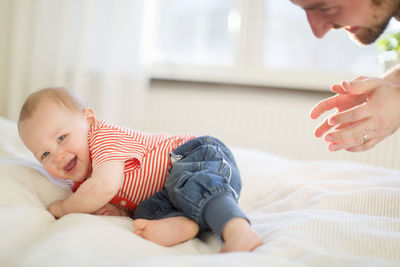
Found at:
(139, 224)
(138, 233)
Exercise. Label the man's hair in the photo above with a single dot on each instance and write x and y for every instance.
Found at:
(58, 95)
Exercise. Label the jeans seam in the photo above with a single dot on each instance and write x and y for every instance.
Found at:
(156, 213)
(225, 162)
(194, 204)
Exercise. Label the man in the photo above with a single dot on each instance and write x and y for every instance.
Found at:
(368, 107)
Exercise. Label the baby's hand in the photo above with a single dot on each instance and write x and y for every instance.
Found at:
(109, 210)
(57, 209)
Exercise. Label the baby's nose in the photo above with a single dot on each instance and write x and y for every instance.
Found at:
(59, 158)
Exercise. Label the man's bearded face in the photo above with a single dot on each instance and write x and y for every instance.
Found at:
(365, 20)
(368, 35)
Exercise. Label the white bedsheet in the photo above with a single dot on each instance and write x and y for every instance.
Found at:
(325, 213)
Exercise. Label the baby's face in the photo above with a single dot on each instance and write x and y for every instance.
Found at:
(58, 138)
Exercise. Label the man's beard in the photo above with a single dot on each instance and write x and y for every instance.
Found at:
(367, 36)
(387, 10)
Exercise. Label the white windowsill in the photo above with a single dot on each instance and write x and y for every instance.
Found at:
(264, 77)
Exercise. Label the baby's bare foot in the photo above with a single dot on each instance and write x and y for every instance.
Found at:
(239, 236)
(166, 232)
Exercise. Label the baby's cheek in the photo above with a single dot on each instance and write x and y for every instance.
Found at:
(53, 172)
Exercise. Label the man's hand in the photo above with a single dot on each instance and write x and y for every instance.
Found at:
(368, 112)
(57, 209)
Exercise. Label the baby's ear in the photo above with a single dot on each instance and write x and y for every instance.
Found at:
(90, 115)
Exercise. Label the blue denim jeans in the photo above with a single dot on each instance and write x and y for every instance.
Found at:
(203, 184)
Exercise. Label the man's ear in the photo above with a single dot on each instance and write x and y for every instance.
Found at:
(90, 115)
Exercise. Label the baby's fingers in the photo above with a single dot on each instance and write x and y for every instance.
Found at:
(100, 211)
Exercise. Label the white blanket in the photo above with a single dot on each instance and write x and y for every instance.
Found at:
(325, 213)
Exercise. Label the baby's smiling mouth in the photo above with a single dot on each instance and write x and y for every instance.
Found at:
(70, 166)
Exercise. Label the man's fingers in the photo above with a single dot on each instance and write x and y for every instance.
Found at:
(366, 146)
(359, 137)
(340, 102)
(355, 132)
(338, 89)
(361, 86)
(323, 106)
(345, 125)
(357, 114)
(322, 129)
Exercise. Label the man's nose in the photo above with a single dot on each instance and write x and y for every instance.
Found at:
(319, 25)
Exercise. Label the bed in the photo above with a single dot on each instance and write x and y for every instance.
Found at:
(318, 213)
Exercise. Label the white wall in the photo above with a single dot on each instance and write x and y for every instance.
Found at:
(273, 120)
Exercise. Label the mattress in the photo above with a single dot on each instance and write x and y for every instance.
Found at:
(314, 213)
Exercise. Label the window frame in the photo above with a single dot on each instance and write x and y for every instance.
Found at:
(248, 67)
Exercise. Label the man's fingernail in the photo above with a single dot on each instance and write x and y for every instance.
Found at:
(333, 147)
(349, 82)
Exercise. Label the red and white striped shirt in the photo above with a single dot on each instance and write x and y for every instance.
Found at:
(146, 157)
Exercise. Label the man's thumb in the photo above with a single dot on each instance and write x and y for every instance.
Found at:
(359, 87)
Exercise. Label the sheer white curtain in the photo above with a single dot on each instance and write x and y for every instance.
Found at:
(95, 48)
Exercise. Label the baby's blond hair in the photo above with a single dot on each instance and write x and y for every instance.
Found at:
(58, 95)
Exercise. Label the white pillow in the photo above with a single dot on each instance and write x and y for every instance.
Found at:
(10, 143)
(25, 181)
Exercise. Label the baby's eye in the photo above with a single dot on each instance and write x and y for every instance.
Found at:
(45, 154)
(61, 138)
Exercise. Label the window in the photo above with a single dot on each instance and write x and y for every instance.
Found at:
(290, 45)
(257, 42)
(194, 32)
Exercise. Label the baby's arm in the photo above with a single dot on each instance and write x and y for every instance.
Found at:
(94, 193)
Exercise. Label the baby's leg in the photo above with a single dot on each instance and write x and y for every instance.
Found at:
(208, 176)
(239, 236)
(168, 231)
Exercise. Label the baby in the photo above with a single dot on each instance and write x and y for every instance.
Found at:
(173, 186)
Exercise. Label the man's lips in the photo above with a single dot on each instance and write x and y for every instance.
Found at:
(71, 165)
(351, 29)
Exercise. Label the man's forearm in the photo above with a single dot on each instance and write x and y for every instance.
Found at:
(393, 75)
